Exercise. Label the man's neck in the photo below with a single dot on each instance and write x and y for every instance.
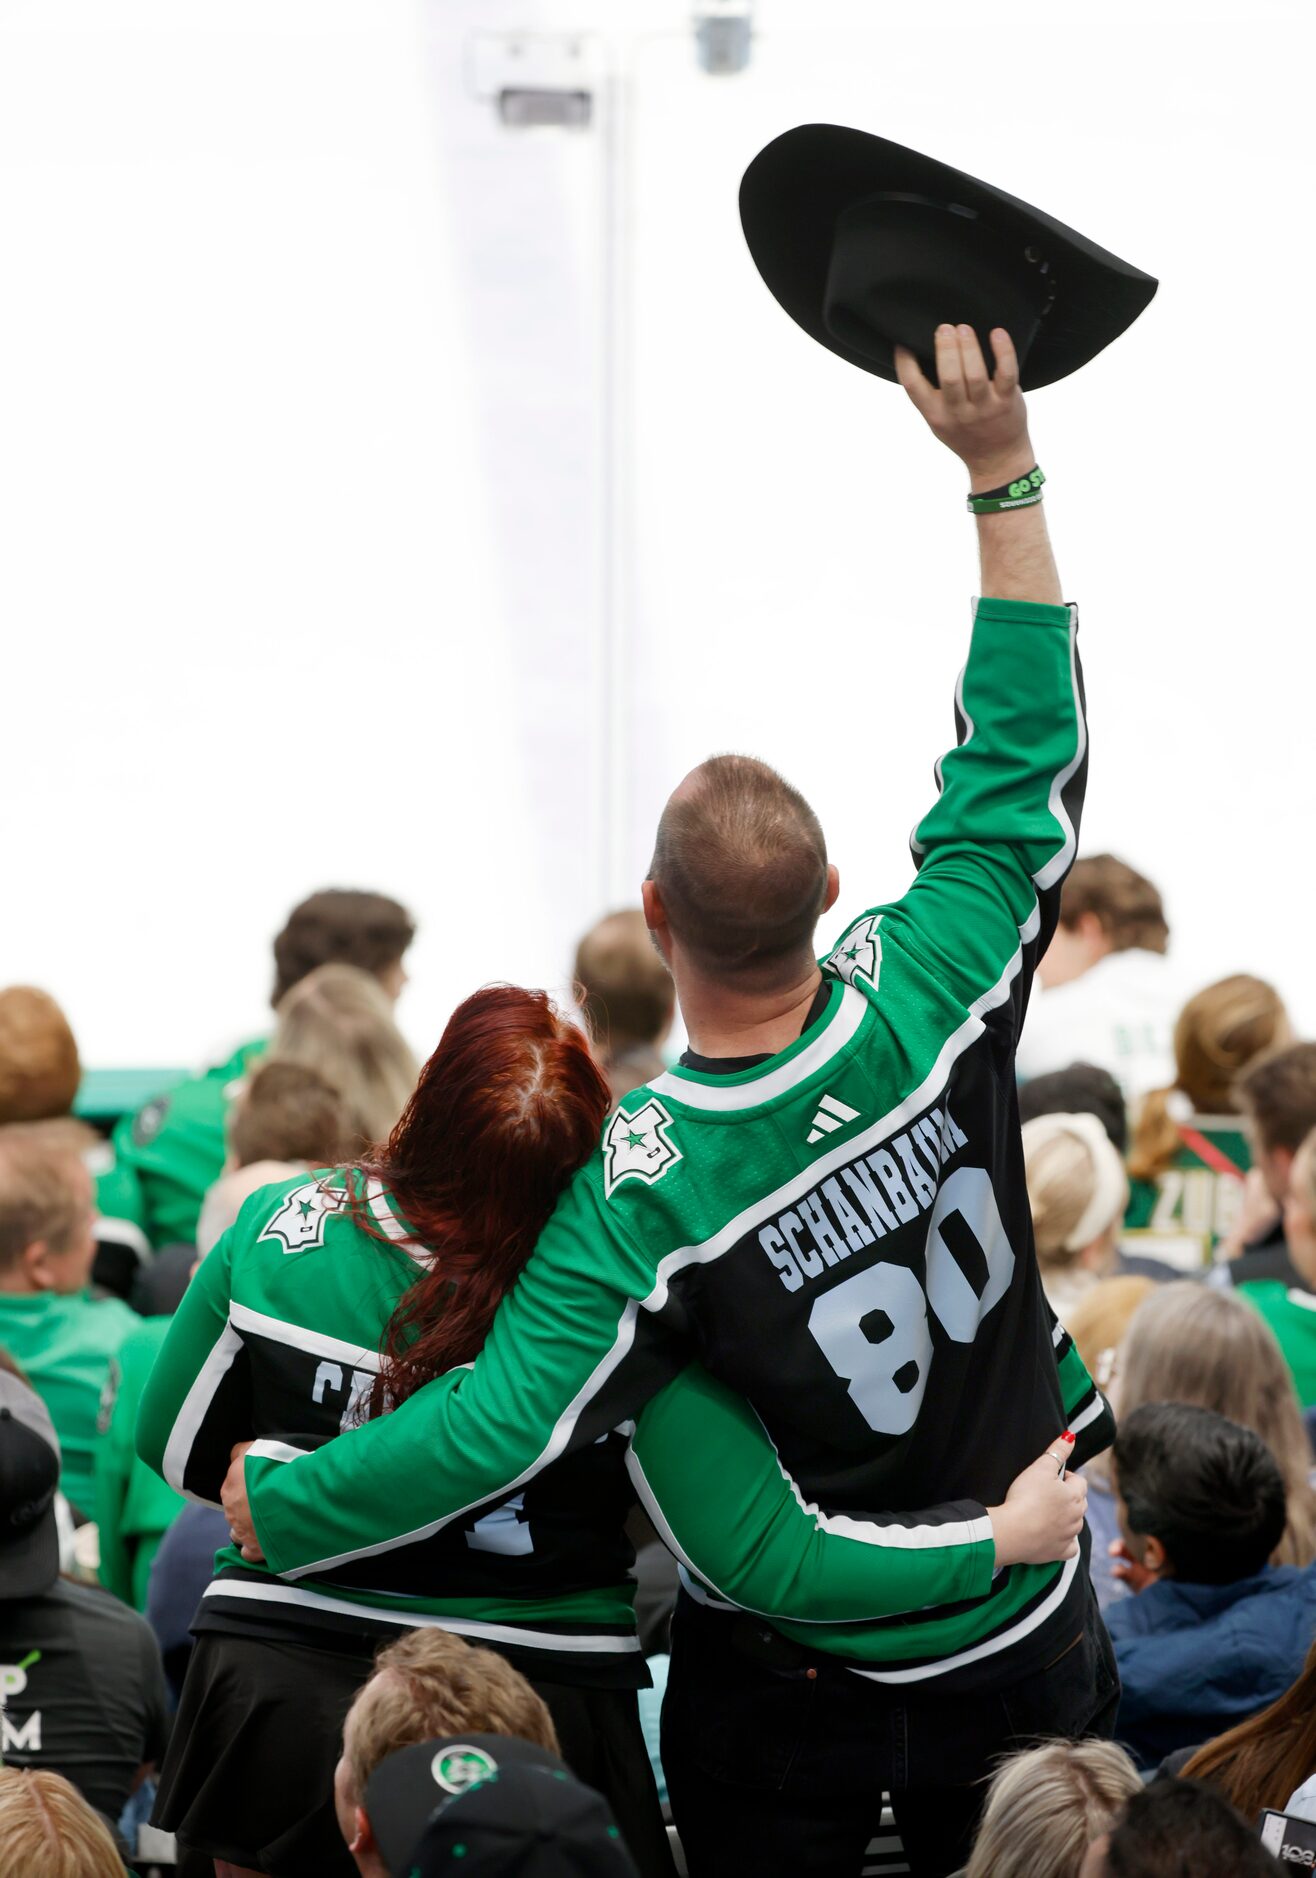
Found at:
(719, 1022)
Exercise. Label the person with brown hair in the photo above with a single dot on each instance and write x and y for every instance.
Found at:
(1109, 992)
(428, 1683)
(1046, 1805)
(1290, 1310)
(1190, 1343)
(338, 1021)
(1101, 1317)
(288, 1111)
(626, 997)
(174, 1144)
(1277, 1095)
(1264, 1761)
(1190, 1155)
(47, 1829)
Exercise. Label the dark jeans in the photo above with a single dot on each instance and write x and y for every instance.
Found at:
(779, 1766)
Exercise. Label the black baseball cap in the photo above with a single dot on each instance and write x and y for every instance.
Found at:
(469, 1806)
(29, 1480)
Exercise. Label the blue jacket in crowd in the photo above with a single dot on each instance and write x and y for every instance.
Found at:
(1196, 1659)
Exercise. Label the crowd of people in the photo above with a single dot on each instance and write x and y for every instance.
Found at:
(881, 1440)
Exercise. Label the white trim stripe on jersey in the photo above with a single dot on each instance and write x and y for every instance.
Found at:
(619, 1644)
(724, 1097)
(1095, 1409)
(1060, 862)
(123, 1232)
(297, 1337)
(676, 1261)
(196, 1406)
(990, 1646)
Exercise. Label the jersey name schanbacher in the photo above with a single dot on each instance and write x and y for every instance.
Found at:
(841, 1233)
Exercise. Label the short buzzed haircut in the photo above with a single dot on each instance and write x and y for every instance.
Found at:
(1279, 1094)
(39, 1068)
(625, 989)
(741, 865)
(1127, 905)
(432, 1683)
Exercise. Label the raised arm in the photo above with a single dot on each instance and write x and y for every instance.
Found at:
(994, 849)
(711, 1480)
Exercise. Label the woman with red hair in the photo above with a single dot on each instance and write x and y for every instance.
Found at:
(335, 1297)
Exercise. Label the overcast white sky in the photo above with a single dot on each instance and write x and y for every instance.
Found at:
(394, 499)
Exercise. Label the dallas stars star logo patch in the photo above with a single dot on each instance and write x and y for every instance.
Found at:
(638, 1144)
(300, 1222)
(859, 954)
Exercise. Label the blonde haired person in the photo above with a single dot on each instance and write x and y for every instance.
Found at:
(1290, 1310)
(1190, 1155)
(1099, 1320)
(338, 1021)
(1077, 1193)
(1046, 1806)
(47, 1829)
(1190, 1343)
(428, 1684)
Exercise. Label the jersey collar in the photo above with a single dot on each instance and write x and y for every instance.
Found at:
(751, 1088)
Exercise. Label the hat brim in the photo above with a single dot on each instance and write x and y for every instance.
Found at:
(793, 191)
(29, 1564)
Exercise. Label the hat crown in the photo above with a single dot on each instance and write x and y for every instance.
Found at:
(903, 264)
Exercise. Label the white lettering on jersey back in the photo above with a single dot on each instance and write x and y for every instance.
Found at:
(639, 1145)
(300, 1222)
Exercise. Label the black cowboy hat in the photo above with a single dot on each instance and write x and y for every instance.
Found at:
(868, 246)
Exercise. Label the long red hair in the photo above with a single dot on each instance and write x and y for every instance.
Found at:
(509, 1106)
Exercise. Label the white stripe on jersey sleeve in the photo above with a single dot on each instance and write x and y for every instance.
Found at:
(297, 1337)
(196, 1406)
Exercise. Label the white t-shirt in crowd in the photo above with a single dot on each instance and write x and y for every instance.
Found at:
(1119, 1015)
(1302, 1804)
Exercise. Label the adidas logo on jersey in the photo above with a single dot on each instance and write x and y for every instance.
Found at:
(832, 1114)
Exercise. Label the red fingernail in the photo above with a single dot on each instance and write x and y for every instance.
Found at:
(1066, 1436)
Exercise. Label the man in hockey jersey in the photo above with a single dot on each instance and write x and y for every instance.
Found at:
(826, 1200)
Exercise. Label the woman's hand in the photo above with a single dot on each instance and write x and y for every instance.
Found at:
(1042, 1516)
(233, 1497)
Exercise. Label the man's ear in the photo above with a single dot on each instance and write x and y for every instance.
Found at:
(35, 1261)
(833, 890)
(1283, 1159)
(655, 918)
(1154, 1556)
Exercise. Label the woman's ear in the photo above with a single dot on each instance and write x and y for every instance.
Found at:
(363, 1838)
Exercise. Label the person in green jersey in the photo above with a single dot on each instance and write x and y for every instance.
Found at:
(1190, 1154)
(333, 1298)
(174, 1145)
(63, 1339)
(1290, 1310)
(824, 1200)
(134, 1508)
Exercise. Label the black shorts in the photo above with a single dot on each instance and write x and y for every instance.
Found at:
(249, 1772)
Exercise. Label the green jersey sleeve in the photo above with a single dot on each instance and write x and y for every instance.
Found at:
(710, 1479)
(995, 847)
(179, 1433)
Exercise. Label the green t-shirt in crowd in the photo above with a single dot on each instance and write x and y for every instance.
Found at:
(134, 1506)
(64, 1345)
(174, 1147)
(1184, 1213)
(1292, 1316)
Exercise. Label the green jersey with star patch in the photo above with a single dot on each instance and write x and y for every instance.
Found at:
(278, 1338)
(840, 1233)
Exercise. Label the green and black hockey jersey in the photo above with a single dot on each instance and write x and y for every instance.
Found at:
(278, 1337)
(841, 1233)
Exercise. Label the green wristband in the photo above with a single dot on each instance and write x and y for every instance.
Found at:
(1021, 494)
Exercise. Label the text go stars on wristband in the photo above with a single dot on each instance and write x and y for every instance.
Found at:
(1021, 494)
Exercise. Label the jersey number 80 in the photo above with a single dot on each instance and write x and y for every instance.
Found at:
(873, 1328)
